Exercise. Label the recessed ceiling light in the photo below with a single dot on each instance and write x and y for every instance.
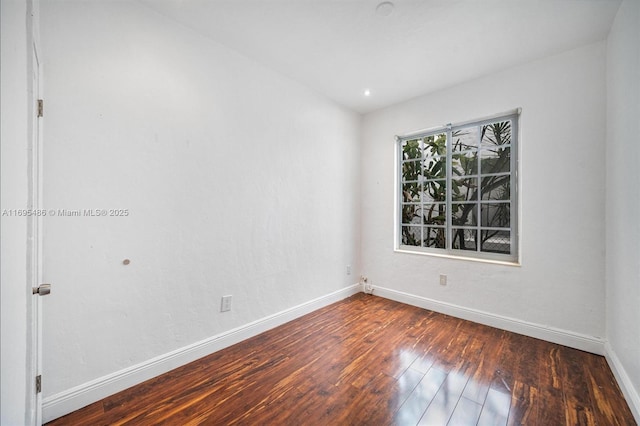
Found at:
(385, 8)
(367, 92)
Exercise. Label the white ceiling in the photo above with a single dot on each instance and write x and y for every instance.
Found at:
(342, 47)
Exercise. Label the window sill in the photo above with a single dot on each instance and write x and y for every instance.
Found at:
(451, 256)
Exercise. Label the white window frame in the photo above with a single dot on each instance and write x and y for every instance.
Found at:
(509, 259)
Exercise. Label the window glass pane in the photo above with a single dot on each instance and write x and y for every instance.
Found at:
(464, 164)
(434, 190)
(435, 145)
(464, 189)
(496, 187)
(434, 237)
(411, 214)
(464, 214)
(412, 149)
(411, 170)
(465, 139)
(434, 214)
(496, 241)
(411, 192)
(435, 168)
(496, 215)
(497, 160)
(495, 134)
(412, 235)
(464, 239)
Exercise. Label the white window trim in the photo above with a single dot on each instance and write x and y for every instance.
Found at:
(477, 256)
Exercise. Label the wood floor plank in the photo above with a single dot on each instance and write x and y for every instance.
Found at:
(444, 403)
(416, 404)
(607, 407)
(467, 412)
(495, 410)
(551, 399)
(371, 361)
(478, 387)
(524, 405)
(405, 385)
(577, 399)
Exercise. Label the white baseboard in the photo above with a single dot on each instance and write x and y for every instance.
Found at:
(563, 337)
(80, 396)
(624, 381)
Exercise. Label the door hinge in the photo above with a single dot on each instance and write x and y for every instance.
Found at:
(38, 383)
(40, 108)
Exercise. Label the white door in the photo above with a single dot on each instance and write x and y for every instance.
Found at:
(34, 243)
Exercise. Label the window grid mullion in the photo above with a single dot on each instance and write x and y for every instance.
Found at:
(421, 186)
(448, 178)
(479, 193)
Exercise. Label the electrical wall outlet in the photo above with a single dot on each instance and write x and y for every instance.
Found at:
(443, 279)
(225, 304)
(348, 269)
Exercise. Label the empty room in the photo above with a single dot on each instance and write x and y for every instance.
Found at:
(320, 212)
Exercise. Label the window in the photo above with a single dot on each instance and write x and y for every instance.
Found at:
(457, 190)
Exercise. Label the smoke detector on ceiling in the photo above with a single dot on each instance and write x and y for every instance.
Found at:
(385, 8)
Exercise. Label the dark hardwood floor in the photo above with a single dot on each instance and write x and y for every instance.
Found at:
(372, 361)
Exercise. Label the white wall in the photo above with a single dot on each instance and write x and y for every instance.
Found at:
(560, 281)
(623, 199)
(238, 181)
(14, 288)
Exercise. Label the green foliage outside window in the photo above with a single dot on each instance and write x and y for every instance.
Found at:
(480, 189)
